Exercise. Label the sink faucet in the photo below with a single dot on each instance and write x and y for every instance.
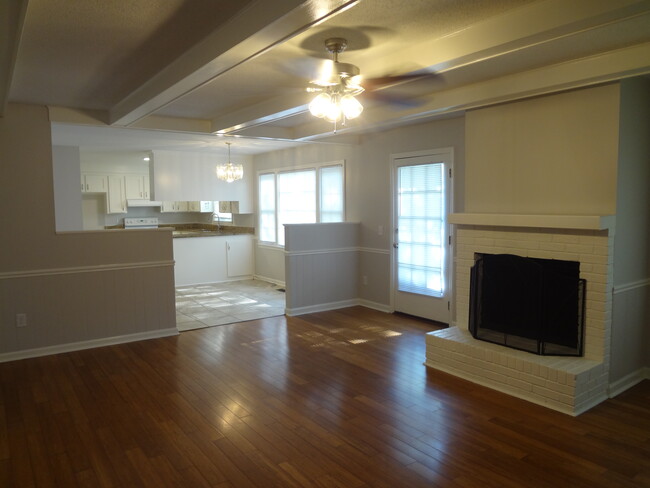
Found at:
(215, 216)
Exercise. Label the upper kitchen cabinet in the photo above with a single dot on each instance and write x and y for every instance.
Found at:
(191, 176)
(137, 187)
(116, 197)
(92, 183)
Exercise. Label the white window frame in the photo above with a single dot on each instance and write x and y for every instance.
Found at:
(317, 167)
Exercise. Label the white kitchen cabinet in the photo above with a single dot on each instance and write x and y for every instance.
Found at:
(209, 260)
(239, 255)
(174, 206)
(116, 196)
(91, 183)
(137, 187)
(203, 206)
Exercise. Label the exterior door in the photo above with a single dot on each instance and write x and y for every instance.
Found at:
(421, 245)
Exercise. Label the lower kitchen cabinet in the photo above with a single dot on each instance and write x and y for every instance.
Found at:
(212, 259)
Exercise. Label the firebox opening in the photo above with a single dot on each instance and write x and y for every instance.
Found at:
(536, 305)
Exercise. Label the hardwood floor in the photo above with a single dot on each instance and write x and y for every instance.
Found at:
(333, 399)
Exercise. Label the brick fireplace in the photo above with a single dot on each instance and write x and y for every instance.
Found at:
(568, 384)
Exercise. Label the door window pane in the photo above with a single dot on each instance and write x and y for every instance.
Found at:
(420, 226)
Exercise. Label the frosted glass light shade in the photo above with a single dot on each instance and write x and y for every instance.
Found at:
(351, 107)
(320, 104)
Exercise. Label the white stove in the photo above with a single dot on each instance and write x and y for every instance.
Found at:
(141, 223)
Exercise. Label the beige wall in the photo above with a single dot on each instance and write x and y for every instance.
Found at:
(551, 155)
(73, 287)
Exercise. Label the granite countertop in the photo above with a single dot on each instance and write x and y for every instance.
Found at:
(199, 230)
(206, 230)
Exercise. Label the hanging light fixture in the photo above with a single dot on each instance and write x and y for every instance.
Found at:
(230, 172)
(337, 88)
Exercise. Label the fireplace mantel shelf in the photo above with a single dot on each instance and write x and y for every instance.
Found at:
(584, 222)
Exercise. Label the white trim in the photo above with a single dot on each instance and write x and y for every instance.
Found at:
(321, 307)
(32, 273)
(634, 285)
(321, 251)
(628, 381)
(78, 346)
(381, 307)
(446, 155)
(582, 222)
(373, 250)
(270, 280)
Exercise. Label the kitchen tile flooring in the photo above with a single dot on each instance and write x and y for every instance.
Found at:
(213, 304)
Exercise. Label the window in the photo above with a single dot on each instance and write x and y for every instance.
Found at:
(305, 195)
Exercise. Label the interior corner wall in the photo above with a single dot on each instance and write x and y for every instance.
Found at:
(550, 155)
(631, 312)
(75, 288)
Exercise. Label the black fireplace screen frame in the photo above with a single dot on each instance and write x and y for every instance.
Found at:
(535, 305)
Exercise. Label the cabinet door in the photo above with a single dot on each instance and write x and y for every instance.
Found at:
(116, 197)
(93, 183)
(194, 206)
(239, 255)
(167, 206)
(134, 190)
(182, 206)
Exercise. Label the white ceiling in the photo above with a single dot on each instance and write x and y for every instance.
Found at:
(198, 67)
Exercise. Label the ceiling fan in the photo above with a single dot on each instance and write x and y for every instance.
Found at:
(339, 83)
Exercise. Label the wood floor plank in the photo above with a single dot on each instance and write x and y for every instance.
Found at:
(330, 399)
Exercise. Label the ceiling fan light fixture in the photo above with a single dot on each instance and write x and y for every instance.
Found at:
(351, 107)
(230, 172)
(337, 86)
(320, 104)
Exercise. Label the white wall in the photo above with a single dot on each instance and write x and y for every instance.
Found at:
(185, 175)
(631, 310)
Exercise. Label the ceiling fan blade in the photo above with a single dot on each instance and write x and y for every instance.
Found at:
(381, 82)
(397, 101)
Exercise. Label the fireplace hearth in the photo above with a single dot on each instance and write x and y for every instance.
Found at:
(535, 305)
(568, 384)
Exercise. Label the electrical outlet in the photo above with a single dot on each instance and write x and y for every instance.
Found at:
(380, 230)
(365, 280)
(21, 320)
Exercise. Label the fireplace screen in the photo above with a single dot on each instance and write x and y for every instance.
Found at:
(536, 305)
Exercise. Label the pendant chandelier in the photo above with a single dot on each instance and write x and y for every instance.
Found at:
(337, 89)
(230, 172)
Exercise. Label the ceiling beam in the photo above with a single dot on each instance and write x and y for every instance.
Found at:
(516, 30)
(258, 27)
(12, 13)
(593, 70)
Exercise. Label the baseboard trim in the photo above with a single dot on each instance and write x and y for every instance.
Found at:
(91, 344)
(380, 307)
(628, 381)
(321, 307)
(270, 280)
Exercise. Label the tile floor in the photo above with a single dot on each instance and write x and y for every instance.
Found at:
(213, 304)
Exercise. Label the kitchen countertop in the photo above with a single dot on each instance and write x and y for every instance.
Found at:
(206, 230)
(199, 230)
